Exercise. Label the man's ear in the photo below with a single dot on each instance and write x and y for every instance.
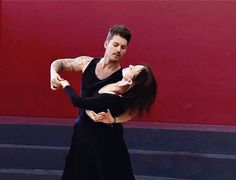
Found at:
(105, 44)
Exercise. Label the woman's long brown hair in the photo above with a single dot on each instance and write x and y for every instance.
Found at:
(140, 96)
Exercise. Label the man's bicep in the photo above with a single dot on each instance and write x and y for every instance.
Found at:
(76, 64)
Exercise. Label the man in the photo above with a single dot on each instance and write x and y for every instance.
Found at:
(115, 48)
(97, 150)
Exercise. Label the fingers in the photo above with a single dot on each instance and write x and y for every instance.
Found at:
(55, 82)
(105, 113)
(59, 78)
(53, 87)
(95, 116)
(99, 117)
(102, 113)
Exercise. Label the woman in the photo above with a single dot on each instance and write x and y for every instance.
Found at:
(107, 156)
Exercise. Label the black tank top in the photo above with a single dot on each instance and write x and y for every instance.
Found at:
(90, 82)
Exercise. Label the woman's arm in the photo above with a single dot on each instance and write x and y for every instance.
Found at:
(91, 103)
(97, 103)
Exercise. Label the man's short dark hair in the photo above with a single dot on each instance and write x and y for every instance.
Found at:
(120, 30)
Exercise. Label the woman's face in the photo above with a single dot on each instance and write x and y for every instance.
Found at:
(129, 72)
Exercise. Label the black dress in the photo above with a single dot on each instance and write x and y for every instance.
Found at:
(98, 150)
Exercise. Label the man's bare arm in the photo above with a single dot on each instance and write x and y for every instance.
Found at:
(71, 64)
(68, 64)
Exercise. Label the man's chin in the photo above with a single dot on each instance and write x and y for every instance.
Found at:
(117, 58)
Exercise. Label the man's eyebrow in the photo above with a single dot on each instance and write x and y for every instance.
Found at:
(114, 42)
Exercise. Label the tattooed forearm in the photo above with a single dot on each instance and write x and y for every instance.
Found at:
(77, 64)
(70, 65)
(57, 65)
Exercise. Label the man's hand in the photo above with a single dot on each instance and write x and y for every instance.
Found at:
(64, 83)
(67, 64)
(55, 81)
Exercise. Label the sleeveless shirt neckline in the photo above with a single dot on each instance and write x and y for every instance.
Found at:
(107, 76)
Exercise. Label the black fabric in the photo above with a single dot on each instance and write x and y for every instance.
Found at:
(98, 102)
(98, 150)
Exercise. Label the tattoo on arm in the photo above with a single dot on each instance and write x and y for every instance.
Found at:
(56, 66)
(77, 64)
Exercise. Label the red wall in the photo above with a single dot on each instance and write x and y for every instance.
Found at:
(191, 46)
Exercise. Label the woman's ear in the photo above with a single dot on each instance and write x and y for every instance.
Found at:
(129, 82)
(126, 82)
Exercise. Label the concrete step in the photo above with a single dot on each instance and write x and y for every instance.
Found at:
(32, 156)
(39, 174)
(145, 162)
(29, 174)
(35, 134)
(136, 138)
(185, 165)
(155, 153)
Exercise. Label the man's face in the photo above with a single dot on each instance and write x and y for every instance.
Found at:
(116, 48)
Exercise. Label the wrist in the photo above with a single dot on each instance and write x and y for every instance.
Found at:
(65, 85)
(114, 120)
(53, 74)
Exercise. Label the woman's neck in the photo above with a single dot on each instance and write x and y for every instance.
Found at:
(121, 86)
(116, 88)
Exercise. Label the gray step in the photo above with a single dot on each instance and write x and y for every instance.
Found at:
(39, 174)
(29, 174)
(155, 153)
(148, 139)
(145, 162)
(35, 134)
(184, 164)
(32, 156)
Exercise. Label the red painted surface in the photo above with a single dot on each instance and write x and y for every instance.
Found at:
(190, 45)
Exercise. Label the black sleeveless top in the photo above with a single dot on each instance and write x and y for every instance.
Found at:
(90, 99)
(90, 82)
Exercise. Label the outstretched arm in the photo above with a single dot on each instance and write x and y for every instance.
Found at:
(68, 64)
(96, 103)
(85, 103)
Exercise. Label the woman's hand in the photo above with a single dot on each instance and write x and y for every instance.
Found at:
(104, 117)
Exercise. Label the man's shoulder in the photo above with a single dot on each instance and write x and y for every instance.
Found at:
(84, 58)
(84, 61)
